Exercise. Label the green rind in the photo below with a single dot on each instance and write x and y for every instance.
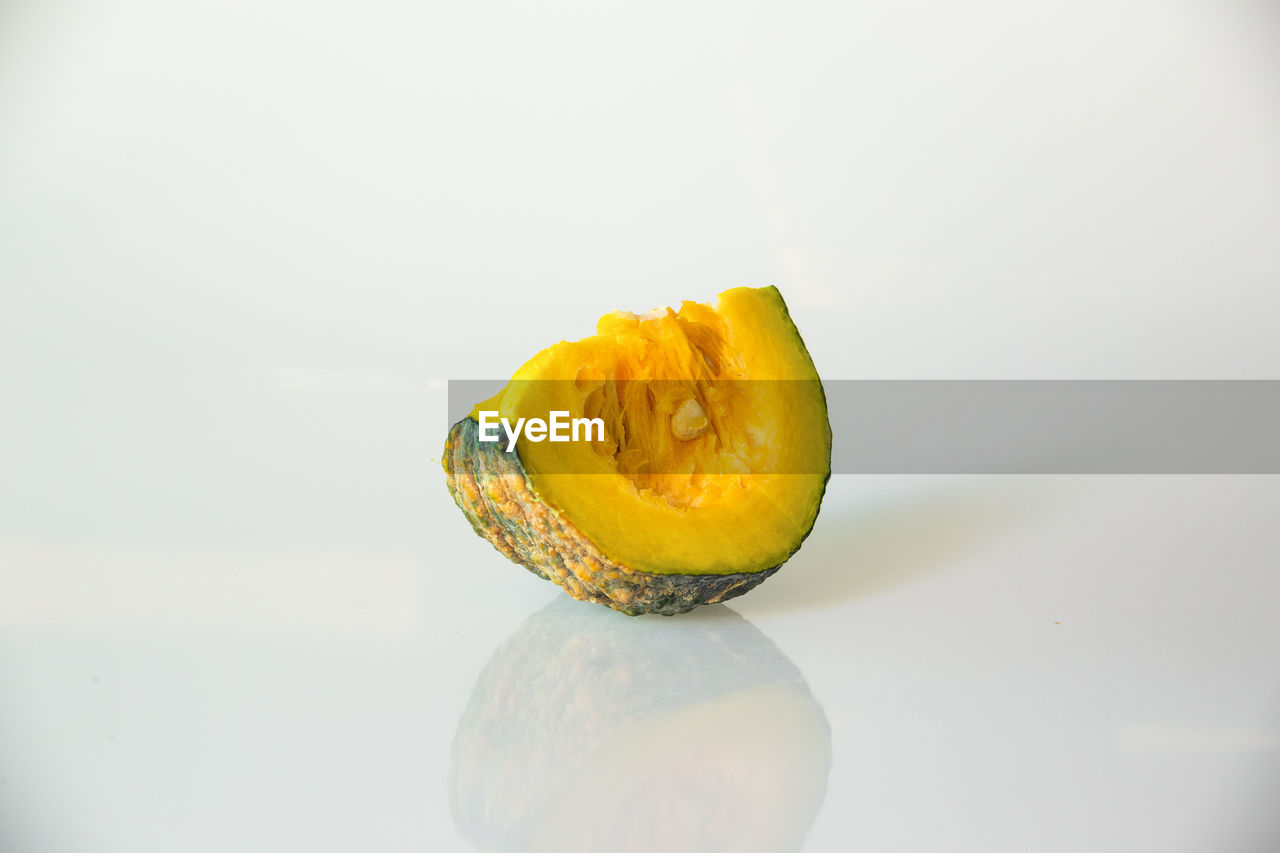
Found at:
(491, 488)
(822, 389)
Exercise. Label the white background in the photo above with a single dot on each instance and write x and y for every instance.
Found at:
(243, 244)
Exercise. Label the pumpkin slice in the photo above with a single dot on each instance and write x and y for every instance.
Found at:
(704, 474)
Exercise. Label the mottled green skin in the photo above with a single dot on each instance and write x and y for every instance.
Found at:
(491, 488)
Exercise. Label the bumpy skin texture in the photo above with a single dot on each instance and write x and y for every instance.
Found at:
(490, 487)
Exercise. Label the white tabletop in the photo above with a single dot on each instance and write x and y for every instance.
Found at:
(243, 247)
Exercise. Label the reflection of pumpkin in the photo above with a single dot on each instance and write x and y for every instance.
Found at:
(709, 475)
(588, 733)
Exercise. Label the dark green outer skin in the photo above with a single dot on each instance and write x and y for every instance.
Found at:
(491, 488)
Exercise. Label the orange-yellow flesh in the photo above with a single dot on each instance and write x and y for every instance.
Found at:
(685, 480)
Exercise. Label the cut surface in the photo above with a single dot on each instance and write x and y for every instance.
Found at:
(490, 487)
(716, 447)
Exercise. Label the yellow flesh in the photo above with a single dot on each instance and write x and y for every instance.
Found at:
(707, 510)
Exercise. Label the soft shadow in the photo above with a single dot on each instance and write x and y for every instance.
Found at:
(862, 552)
(589, 730)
